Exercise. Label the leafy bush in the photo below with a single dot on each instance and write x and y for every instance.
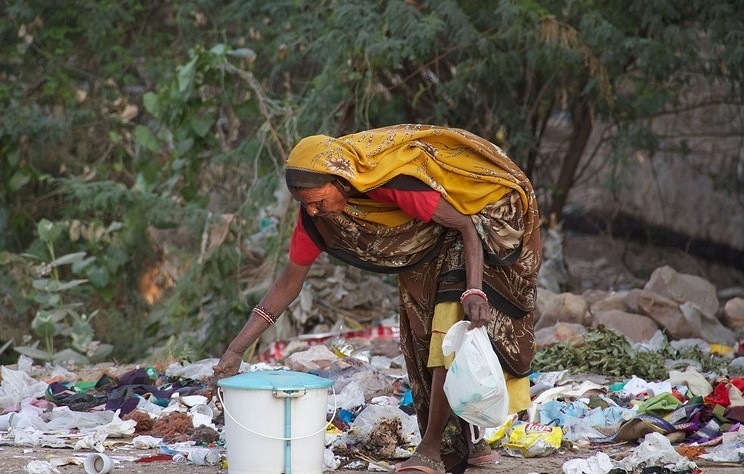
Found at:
(58, 315)
(609, 353)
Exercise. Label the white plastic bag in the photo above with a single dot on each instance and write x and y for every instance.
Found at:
(475, 385)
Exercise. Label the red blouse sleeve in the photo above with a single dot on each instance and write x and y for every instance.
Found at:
(419, 204)
(302, 249)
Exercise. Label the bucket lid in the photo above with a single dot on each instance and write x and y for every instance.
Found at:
(275, 380)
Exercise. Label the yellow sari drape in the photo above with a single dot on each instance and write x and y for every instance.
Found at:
(468, 171)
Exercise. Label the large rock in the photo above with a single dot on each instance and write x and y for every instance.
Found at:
(571, 333)
(544, 300)
(665, 312)
(553, 273)
(683, 288)
(710, 328)
(635, 327)
(733, 313)
(612, 300)
(592, 296)
(564, 307)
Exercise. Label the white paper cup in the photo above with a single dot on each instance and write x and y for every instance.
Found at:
(98, 463)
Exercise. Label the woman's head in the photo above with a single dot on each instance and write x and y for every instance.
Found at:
(322, 195)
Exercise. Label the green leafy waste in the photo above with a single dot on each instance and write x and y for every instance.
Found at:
(606, 352)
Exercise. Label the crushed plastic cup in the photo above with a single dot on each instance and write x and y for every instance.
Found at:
(342, 348)
(204, 457)
(6, 421)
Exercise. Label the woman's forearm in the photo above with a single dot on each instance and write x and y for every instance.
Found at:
(475, 304)
(473, 257)
(448, 216)
(278, 297)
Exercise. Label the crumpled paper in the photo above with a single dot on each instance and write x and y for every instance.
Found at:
(695, 381)
(93, 440)
(40, 467)
(146, 442)
(119, 428)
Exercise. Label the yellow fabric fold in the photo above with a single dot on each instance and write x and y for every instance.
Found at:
(384, 213)
(445, 316)
(467, 170)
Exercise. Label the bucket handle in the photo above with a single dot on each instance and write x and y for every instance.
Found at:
(325, 426)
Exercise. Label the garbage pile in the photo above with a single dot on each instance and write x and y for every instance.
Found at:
(146, 415)
(611, 392)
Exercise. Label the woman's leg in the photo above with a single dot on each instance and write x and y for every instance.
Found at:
(439, 412)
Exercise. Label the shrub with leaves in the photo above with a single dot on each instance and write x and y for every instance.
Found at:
(606, 352)
(58, 316)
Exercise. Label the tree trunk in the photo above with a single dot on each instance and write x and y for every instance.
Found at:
(582, 130)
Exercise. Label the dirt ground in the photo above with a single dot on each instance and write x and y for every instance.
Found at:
(14, 460)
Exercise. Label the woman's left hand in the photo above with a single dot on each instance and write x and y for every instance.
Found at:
(477, 310)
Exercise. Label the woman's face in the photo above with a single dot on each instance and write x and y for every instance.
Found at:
(325, 201)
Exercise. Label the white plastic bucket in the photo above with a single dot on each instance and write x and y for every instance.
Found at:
(275, 422)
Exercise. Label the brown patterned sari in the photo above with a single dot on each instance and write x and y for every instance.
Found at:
(428, 257)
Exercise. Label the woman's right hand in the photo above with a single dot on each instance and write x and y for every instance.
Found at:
(227, 367)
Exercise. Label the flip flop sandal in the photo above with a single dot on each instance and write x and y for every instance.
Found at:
(482, 454)
(485, 459)
(423, 464)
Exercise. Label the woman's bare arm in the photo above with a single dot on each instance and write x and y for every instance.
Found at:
(281, 293)
(476, 308)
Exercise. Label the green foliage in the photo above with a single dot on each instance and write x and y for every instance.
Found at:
(609, 353)
(123, 119)
(57, 315)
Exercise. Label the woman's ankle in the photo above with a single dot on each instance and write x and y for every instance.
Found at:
(429, 450)
(481, 448)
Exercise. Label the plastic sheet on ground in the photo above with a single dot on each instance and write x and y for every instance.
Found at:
(600, 463)
(370, 416)
(17, 386)
(656, 450)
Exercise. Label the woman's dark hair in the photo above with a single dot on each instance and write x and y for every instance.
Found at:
(298, 179)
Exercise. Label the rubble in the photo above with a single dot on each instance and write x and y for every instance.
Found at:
(683, 306)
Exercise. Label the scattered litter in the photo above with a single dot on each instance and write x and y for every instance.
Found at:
(600, 463)
(529, 440)
(169, 414)
(40, 467)
(656, 450)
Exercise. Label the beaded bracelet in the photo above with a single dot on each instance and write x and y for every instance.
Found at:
(473, 291)
(265, 314)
